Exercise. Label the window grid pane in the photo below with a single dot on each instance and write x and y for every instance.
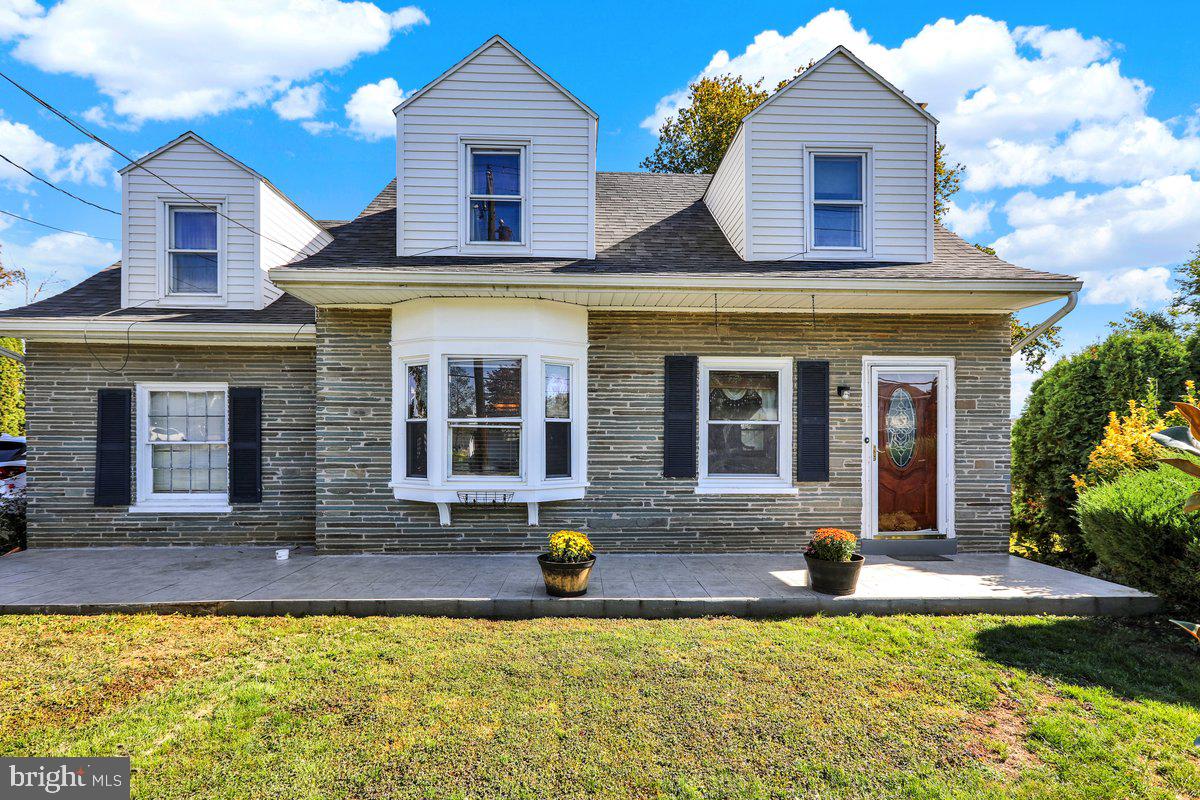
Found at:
(186, 432)
(484, 388)
(837, 226)
(418, 391)
(558, 391)
(485, 450)
(837, 177)
(743, 395)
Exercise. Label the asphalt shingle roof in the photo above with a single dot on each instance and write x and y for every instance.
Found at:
(101, 294)
(646, 224)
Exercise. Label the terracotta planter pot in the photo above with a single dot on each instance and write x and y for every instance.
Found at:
(834, 577)
(565, 579)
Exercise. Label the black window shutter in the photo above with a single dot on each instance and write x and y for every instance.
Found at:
(679, 416)
(114, 443)
(812, 420)
(245, 445)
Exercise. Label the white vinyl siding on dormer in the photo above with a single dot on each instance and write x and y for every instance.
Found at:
(837, 106)
(208, 177)
(248, 206)
(494, 99)
(726, 195)
(293, 235)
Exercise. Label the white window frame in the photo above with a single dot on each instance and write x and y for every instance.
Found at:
(146, 499)
(947, 397)
(781, 483)
(402, 392)
(167, 205)
(810, 201)
(467, 246)
(570, 418)
(483, 422)
(531, 487)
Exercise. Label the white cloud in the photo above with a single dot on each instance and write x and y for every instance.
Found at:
(369, 109)
(300, 102)
(81, 163)
(319, 128)
(1136, 288)
(1152, 223)
(63, 258)
(161, 61)
(1018, 106)
(971, 221)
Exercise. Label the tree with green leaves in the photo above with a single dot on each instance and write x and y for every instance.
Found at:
(696, 137)
(12, 389)
(1186, 302)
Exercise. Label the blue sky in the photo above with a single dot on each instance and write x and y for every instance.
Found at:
(1078, 122)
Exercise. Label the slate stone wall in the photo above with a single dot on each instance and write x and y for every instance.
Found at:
(630, 506)
(62, 380)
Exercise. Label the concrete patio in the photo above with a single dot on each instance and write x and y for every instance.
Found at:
(248, 580)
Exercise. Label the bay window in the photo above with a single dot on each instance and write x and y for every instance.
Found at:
(745, 425)
(489, 402)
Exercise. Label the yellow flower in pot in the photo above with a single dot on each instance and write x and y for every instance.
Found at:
(567, 564)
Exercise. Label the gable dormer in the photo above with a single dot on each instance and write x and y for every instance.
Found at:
(836, 165)
(200, 229)
(495, 158)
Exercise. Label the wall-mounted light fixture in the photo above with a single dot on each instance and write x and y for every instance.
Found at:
(844, 392)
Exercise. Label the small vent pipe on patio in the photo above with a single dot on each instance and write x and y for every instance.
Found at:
(1072, 301)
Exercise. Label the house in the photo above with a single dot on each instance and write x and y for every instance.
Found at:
(507, 342)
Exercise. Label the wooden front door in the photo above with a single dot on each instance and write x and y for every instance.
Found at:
(906, 451)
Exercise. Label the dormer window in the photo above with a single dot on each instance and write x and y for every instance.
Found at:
(193, 251)
(495, 195)
(838, 201)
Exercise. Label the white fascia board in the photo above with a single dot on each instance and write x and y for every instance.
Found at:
(108, 331)
(285, 276)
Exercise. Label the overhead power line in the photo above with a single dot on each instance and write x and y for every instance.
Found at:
(51, 227)
(56, 187)
(142, 167)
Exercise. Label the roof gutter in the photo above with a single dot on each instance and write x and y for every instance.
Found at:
(285, 276)
(109, 331)
(1068, 307)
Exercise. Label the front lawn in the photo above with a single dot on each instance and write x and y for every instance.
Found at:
(928, 707)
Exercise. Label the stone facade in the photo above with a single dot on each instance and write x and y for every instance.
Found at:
(61, 385)
(630, 506)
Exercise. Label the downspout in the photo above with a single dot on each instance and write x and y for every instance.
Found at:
(1072, 301)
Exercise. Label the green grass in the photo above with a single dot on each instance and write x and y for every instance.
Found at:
(923, 707)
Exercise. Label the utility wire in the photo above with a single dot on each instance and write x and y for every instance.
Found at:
(142, 167)
(57, 187)
(51, 227)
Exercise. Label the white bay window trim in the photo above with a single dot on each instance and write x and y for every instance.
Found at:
(781, 482)
(146, 500)
(424, 332)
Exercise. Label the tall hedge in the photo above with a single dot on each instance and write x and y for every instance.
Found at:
(1064, 419)
(12, 390)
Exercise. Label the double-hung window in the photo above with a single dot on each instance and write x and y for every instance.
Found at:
(483, 398)
(558, 420)
(183, 445)
(193, 250)
(495, 195)
(745, 424)
(416, 420)
(839, 201)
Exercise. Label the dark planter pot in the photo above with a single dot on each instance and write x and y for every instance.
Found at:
(565, 579)
(834, 577)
